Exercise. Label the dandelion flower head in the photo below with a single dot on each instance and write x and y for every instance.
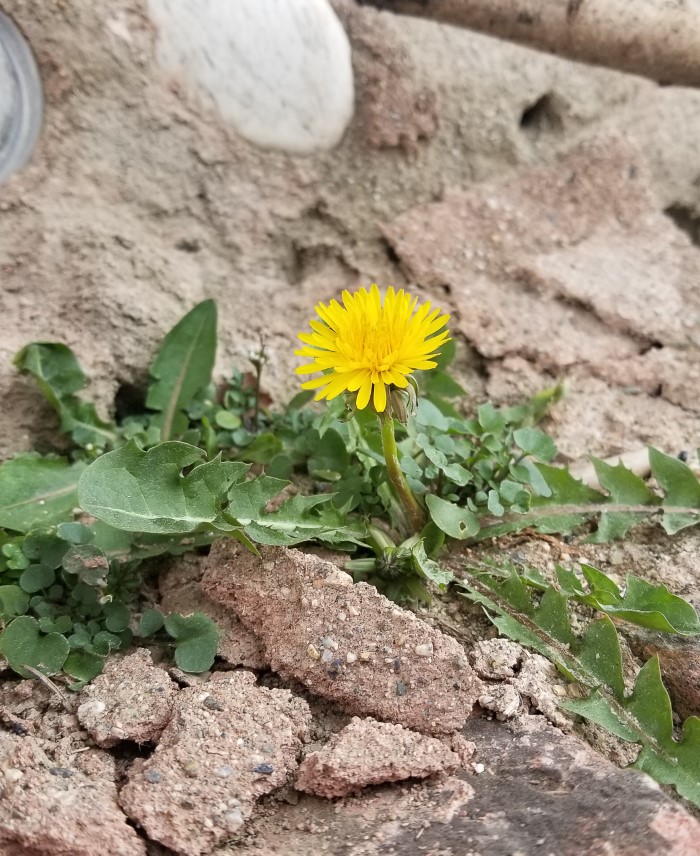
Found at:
(365, 345)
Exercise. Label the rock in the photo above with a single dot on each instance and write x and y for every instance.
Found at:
(528, 261)
(291, 601)
(49, 809)
(524, 674)
(181, 591)
(547, 792)
(279, 72)
(131, 700)
(367, 752)
(228, 743)
(396, 108)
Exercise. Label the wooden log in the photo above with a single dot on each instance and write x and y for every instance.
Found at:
(659, 39)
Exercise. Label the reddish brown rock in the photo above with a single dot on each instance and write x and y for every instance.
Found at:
(228, 743)
(345, 642)
(367, 752)
(395, 107)
(52, 810)
(529, 261)
(131, 700)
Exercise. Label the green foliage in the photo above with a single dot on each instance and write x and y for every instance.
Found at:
(196, 638)
(594, 659)
(197, 460)
(149, 492)
(182, 369)
(35, 491)
(59, 376)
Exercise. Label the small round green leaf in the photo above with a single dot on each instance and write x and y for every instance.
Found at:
(23, 644)
(196, 640)
(117, 616)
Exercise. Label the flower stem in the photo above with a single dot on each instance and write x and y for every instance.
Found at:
(413, 511)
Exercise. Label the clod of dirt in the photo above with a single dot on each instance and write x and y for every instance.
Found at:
(367, 752)
(524, 674)
(345, 642)
(181, 592)
(131, 700)
(57, 810)
(228, 743)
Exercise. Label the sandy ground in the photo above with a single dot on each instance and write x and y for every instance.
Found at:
(139, 203)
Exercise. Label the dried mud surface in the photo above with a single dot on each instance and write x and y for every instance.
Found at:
(552, 209)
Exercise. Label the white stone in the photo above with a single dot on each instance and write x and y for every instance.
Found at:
(278, 70)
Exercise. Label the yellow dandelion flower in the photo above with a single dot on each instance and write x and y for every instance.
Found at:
(366, 345)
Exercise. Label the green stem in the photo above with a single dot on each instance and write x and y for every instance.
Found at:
(413, 511)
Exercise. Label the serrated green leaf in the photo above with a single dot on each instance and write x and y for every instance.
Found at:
(553, 617)
(37, 491)
(455, 521)
(196, 641)
(182, 368)
(597, 708)
(23, 644)
(429, 568)
(681, 488)
(625, 488)
(59, 376)
(247, 499)
(566, 490)
(679, 765)
(643, 604)
(305, 518)
(600, 654)
(147, 491)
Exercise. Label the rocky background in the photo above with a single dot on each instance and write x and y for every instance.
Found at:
(552, 208)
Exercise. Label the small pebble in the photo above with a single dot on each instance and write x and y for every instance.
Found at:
(265, 769)
(342, 616)
(191, 769)
(153, 776)
(223, 772)
(313, 652)
(353, 610)
(335, 668)
(329, 643)
(400, 688)
(327, 656)
(61, 772)
(365, 656)
(425, 650)
(233, 820)
(478, 768)
(212, 703)
(350, 657)
(13, 774)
